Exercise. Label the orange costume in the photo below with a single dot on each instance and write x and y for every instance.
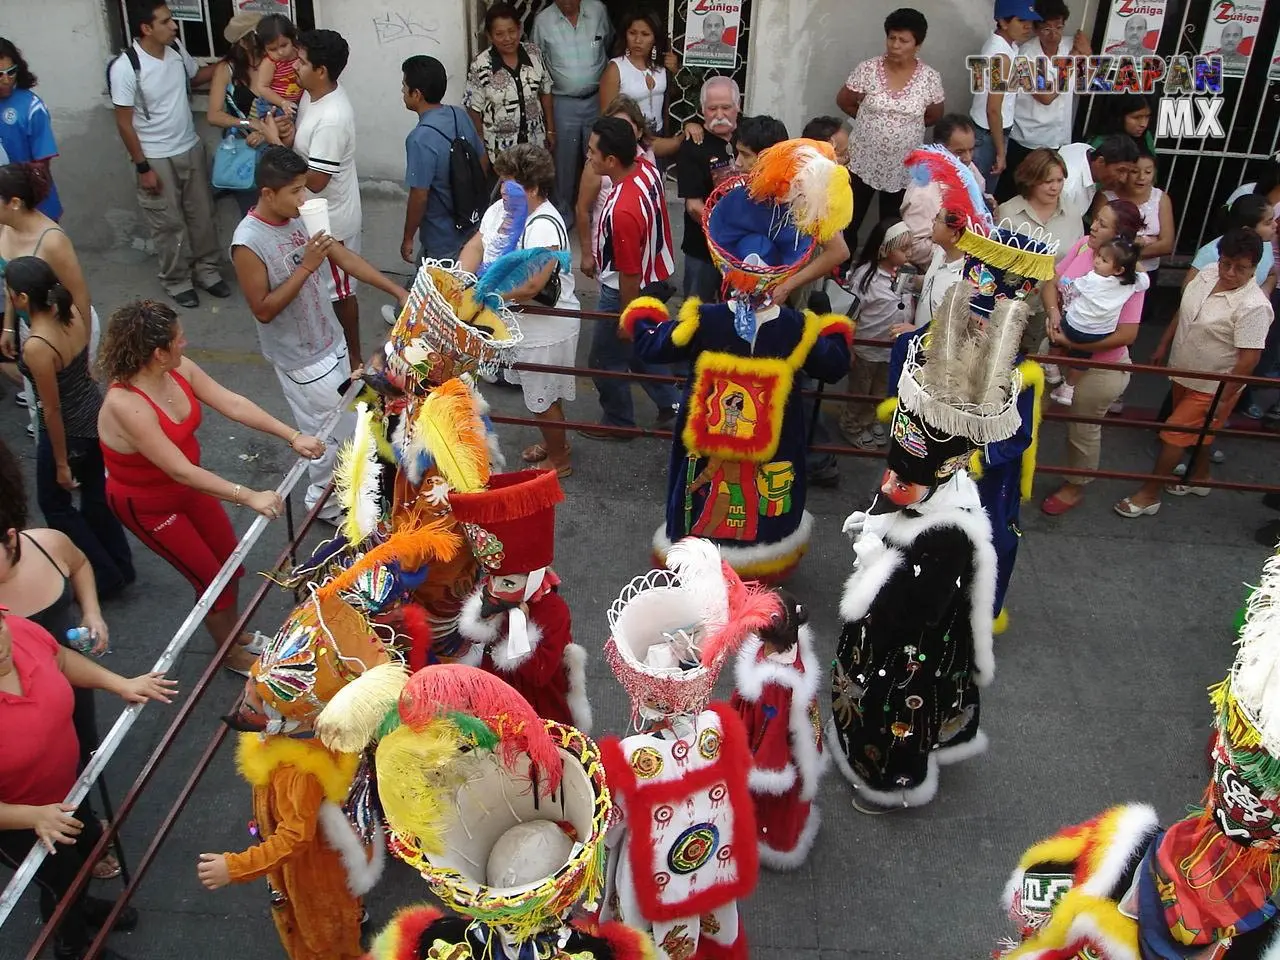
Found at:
(312, 859)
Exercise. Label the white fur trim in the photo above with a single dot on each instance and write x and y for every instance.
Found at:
(498, 652)
(575, 665)
(1272, 952)
(474, 627)
(1137, 824)
(772, 782)
(1083, 925)
(865, 584)
(953, 508)
(758, 553)
(794, 858)
(474, 655)
(916, 796)
(497, 462)
(752, 674)
(363, 867)
(962, 751)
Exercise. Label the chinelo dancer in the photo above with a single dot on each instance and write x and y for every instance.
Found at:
(501, 812)
(1120, 887)
(737, 474)
(916, 644)
(683, 853)
(1004, 470)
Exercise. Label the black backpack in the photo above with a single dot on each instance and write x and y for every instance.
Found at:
(130, 54)
(467, 181)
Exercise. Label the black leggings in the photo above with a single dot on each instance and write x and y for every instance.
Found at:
(890, 206)
(54, 878)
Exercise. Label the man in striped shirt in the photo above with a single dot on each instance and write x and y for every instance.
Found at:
(633, 251)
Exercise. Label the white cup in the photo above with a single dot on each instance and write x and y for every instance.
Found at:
(315, 216)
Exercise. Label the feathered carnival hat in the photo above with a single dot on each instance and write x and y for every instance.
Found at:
(958, 388)
(1000, 263)
(671, 630)
(453, 323)
(1244, 795)
(501, 812)
(763, 227)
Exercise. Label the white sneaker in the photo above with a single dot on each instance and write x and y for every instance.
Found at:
(1064, 394)
(389, 315)
(879, 436)
(256, 643)
(1052, 375)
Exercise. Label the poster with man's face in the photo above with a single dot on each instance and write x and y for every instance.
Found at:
(1230, 33)
(1133, 28)
(711, 33)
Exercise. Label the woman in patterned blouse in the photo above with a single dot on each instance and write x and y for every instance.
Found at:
(892, 98)
(509, 88)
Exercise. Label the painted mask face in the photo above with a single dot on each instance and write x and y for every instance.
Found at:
(901, 492)
(252, 715)
(509, 587)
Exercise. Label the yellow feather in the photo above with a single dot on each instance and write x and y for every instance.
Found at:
(356, 479)
(418, 776)
(351, 719)
(450, 429)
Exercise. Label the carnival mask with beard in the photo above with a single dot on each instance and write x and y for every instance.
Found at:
(252, 715)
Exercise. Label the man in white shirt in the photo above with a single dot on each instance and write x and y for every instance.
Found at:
(992, 113)
(1090, 169)
(1042, 119)
(325, 133)
(153, 118)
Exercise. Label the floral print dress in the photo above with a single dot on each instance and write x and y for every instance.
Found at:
(889, 125)
(509, 99)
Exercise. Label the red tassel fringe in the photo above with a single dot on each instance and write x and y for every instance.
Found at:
(509, 497)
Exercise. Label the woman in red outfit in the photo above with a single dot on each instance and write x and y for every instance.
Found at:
(38, 769)
(777, 677)
(155, 483)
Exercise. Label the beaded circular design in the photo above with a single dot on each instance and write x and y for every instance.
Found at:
(646, 763)
(693, 848)
(709, 744)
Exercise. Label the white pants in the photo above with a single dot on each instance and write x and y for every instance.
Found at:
(312, 393)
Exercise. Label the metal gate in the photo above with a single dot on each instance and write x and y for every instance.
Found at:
(689, 80)
(1200, 173)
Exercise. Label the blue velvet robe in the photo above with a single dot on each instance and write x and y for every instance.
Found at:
(777, 510)
(1000, 485)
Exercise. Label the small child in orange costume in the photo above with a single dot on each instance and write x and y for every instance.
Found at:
(317, 862)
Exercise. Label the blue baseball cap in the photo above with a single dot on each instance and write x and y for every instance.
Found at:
(1021, 9)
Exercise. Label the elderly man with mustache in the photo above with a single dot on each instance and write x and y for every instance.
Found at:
(699, 167)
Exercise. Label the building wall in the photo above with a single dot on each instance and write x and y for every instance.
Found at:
(803, 50)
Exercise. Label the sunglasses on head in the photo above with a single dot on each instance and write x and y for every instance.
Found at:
(9, 71)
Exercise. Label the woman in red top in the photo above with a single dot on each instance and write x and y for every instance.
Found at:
(155, 483)
(38, 768)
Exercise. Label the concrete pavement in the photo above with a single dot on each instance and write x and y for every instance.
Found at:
(1099, 697)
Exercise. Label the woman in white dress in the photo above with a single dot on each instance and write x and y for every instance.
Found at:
(643, 71)
(547, 340)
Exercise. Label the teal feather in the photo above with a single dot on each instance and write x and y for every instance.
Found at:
(511, 271)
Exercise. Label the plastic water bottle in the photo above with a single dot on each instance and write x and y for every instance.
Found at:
(80, 639)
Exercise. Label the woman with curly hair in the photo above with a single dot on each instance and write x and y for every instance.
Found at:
(155, 483)
(29, 137)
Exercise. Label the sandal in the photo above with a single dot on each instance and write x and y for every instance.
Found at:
(562, 471)
(537, 453)
(1054, 506)
(108, 868)
(1182, 489)
(1131, 511)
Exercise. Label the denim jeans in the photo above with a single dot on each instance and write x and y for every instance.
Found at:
(611, 352)
(984, 155)
(701, 280)
(92, 526)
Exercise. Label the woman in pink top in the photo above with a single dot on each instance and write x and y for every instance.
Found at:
(892, 98)
(1097, 389)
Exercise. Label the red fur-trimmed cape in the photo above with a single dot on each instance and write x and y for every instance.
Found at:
(732, 768)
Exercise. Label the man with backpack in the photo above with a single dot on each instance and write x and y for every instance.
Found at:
(149, 84)
(448, 189)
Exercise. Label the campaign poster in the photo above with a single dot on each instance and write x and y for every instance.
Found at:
(1230, 33)
(1133, 27)
(191, 10)
(711, 33)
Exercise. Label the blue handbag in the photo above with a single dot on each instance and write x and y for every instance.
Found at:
(234, 162)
